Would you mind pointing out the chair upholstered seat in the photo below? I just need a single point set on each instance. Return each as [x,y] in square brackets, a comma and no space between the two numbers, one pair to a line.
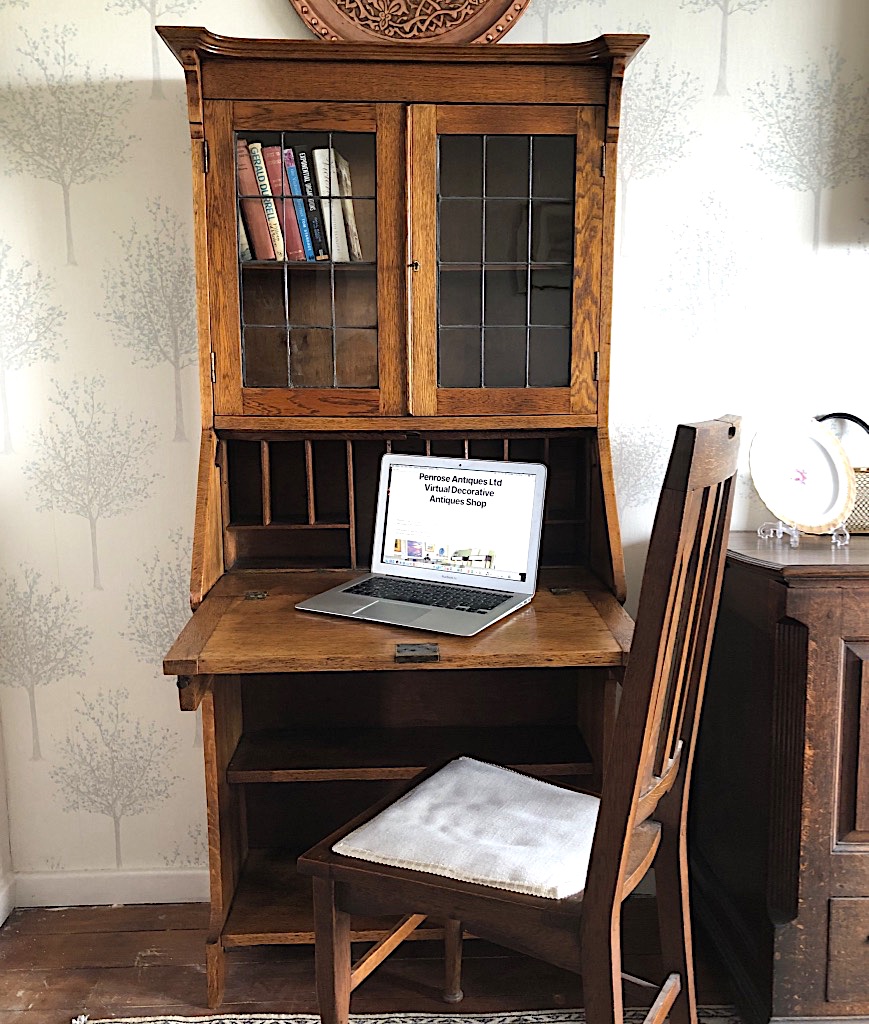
[478,822]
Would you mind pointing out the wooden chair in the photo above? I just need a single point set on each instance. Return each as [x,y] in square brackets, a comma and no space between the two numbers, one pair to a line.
[641,817]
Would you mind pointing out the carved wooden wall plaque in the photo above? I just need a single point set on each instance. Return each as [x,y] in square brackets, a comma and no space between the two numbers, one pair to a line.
[441,21]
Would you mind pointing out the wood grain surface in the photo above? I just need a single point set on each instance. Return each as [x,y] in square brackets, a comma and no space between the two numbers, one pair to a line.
[232,634]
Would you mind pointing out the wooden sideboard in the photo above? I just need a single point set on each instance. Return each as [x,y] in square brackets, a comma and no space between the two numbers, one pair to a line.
[780,819]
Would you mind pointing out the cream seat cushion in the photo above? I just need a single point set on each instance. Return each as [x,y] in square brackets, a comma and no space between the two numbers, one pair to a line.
[477,822]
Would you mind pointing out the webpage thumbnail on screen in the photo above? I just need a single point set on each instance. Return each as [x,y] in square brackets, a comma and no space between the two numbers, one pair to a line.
[462,521]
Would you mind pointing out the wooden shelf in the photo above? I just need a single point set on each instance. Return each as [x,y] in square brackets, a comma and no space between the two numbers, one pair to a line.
[280,563]
[273,906]
[318,755]
[277,525]
[308,264]
[493,265]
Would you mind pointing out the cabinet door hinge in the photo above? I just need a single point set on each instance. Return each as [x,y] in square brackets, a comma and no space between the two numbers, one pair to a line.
[596,366]
[603,160]
[205,156]
[213,368]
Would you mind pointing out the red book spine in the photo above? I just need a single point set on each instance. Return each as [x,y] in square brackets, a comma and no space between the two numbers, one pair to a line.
[252,209]
[274,161]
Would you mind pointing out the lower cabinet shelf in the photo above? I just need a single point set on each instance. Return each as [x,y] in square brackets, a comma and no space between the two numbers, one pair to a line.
[273,906]
[357,754]
[349,769]
[293,756]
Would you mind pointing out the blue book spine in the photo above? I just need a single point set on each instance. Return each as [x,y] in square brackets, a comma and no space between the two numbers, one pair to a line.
[309,191]
[298,203]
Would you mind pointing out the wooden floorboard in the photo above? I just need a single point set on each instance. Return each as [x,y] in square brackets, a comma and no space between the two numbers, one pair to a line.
[147,960]
[139,917]
[102,950]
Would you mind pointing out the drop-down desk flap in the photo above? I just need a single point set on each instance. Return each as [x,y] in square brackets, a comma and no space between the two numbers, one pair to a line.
[248,624]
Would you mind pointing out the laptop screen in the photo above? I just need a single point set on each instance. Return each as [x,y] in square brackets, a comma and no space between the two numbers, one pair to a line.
[462,520]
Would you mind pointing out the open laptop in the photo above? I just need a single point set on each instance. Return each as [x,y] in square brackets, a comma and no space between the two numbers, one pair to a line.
[456,543]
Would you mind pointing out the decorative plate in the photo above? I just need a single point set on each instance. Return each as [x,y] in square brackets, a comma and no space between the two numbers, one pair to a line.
[441,21]
[803,476]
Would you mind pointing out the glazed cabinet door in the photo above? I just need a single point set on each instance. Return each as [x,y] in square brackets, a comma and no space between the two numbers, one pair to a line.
[506,214]
[306,290]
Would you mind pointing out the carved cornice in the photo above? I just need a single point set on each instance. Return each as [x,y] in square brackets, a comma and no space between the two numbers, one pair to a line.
[604,49]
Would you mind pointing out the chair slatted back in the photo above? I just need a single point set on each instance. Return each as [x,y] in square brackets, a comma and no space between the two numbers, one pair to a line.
[663,687]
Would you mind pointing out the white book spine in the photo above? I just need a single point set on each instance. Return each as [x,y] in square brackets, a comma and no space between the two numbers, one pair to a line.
[326,172]
[346,187]
[244,250]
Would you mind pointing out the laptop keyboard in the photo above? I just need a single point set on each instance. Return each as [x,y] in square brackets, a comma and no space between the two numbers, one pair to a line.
[462,599]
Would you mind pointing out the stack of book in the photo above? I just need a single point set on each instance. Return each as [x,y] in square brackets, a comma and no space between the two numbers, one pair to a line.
[296,204]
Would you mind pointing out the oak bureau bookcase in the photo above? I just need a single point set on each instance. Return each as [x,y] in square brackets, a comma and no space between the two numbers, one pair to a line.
[472,319]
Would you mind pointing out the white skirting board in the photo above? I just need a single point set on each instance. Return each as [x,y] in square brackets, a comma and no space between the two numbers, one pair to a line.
[91,888]
[7,896]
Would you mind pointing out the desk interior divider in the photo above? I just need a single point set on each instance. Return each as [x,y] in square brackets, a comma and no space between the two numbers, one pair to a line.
[308,501]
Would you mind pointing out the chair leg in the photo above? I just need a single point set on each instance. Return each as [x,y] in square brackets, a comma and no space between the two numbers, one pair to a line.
[674,922]
[331,954]
[453,961]
[602,977]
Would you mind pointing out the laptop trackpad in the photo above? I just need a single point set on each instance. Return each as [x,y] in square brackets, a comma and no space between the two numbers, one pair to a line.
[342,604]
[400,615]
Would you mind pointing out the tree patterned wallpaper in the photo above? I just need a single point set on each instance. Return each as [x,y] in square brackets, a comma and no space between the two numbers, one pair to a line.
[743,222]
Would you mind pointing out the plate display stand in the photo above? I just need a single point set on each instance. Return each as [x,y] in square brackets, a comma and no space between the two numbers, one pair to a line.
[766,531]
[800,468]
